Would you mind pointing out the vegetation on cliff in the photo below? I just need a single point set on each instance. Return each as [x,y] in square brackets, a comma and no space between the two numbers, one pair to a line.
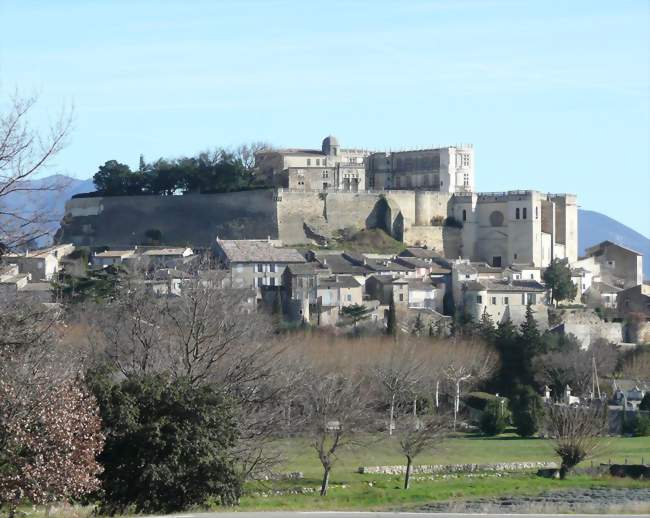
[221,170]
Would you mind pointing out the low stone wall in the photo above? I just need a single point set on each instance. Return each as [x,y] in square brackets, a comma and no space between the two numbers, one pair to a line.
[458,468]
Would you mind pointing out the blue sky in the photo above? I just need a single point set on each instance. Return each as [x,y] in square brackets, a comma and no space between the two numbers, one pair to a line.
[554,95]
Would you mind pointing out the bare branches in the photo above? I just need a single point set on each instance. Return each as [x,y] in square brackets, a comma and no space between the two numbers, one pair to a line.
[417,434]
[24,154]
[577,433]
[336,410]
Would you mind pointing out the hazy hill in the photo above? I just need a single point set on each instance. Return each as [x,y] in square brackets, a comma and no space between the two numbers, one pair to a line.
[593,227]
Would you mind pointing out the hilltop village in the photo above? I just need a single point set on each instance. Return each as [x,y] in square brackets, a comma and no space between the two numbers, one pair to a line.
[434,248]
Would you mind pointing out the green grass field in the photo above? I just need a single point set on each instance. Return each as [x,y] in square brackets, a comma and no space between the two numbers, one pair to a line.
[351,490]
[462,450]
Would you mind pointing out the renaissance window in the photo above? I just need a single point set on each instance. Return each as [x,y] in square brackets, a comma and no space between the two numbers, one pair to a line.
[465,160]
[479,299]
[517,213]
[506,301]
[464,215]
[318,161]
[494,301]
[309,161]
[524,213]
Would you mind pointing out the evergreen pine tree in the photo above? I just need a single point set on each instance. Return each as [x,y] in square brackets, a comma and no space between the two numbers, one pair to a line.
[506,342]
[486,328]
[530,345]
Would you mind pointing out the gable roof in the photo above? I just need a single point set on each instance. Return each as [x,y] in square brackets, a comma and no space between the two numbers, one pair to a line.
[603,244]
[257,251]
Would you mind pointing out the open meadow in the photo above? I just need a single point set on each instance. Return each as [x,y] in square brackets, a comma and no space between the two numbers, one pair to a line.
[352,490]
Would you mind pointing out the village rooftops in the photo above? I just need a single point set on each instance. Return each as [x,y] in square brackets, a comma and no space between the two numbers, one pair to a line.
[338,281]
[517,267]
[311,268]
[388,279]
[420,285]
[500,286]
[598,249]
[486,268]
[423,253]
[115,253]
[162,252]
[415,262]
[516,286]
[257,251]
[602,287]
[44,252]
[339,264]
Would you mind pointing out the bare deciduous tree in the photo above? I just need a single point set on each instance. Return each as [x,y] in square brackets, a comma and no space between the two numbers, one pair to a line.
[575,367]
[396,370]
[577,433]
[24,155]
[466,363]
[417,434]
[336,410]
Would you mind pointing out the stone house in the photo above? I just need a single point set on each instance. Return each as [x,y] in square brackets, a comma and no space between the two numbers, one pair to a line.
[385,289]
[635,300]
[602,294]
[40,265]
[333,294]
[424,269]
[613,264]
[111,257]
[505,299]
[426,294]
[255,263]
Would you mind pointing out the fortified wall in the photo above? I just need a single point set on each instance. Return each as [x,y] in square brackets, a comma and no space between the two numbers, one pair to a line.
[525,227]
[294,217]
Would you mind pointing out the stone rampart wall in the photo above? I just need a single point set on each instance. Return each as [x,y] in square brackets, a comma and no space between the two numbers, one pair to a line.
[193,219]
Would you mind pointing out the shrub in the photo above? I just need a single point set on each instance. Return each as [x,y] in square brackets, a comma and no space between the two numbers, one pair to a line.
[495,418]
[479,400]
[527,411]
[167,444]
[642,426]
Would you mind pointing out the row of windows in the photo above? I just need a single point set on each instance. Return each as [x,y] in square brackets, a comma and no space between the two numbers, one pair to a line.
[266,268]
[526,298]
[524,213]
[318,161]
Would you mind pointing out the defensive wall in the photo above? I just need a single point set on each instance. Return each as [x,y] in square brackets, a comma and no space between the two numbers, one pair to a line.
[295,217]
[491,223]
[191,219]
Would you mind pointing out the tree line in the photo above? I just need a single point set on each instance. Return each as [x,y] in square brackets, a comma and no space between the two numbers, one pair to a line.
[221,170]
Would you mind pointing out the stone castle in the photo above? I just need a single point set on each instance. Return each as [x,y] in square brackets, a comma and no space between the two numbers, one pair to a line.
[421,197]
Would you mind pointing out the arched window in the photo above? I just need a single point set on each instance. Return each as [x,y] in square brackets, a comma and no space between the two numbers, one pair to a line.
[524,216]
[464,215]
[517,213]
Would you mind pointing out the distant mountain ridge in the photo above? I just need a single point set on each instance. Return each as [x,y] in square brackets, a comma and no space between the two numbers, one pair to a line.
[593,227]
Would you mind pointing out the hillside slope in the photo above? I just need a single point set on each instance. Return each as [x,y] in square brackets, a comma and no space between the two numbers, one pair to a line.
[594,227]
